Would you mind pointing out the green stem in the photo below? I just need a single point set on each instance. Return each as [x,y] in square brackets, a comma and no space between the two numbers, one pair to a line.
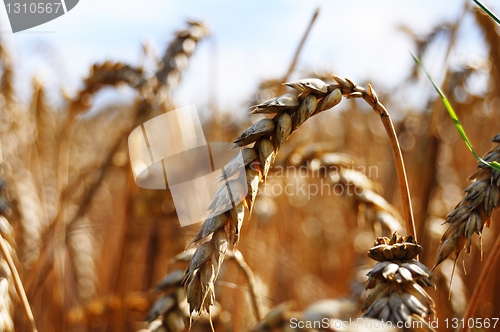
[451,112]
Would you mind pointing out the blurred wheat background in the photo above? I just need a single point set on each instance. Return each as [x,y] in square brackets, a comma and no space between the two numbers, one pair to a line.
[90,246]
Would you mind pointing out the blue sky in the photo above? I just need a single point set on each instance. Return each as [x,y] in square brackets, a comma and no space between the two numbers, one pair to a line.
[254,40]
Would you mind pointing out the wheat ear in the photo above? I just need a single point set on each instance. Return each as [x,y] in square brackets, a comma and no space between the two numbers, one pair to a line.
[474,210]
[268,135]
[169,309]
[397,281]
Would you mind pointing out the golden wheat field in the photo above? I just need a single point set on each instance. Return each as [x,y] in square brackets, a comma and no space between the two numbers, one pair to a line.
[352,205]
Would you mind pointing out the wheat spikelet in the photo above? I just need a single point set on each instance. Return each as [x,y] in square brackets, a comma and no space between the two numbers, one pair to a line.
[225,228]
[397,281]
[170,310]
[474,211]
[10,282]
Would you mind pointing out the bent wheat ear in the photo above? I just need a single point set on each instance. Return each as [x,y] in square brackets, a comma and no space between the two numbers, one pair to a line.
[291,111]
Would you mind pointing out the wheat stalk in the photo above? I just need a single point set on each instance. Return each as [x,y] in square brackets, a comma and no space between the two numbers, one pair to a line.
[268,135]
[474,211]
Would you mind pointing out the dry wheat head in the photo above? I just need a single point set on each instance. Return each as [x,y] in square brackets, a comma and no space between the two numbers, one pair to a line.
[289,112]
[474,210]
[397,281]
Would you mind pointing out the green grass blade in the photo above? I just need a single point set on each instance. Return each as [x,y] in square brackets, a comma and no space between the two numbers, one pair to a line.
[487,11]
[494,164]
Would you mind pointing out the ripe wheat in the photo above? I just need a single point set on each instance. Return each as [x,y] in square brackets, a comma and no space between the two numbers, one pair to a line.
[290,112]
[397,281]
[474,210]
